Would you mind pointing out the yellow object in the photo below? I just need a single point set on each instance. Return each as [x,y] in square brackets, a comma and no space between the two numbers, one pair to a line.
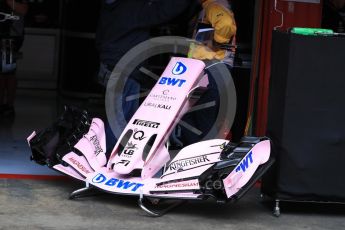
[202,52]
[222,20]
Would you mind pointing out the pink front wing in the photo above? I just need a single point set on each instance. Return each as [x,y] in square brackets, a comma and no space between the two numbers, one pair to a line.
[240,176]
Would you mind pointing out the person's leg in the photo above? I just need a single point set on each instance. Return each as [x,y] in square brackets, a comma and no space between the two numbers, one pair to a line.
[130,102]
[11,89]
[201,121]
[2,90]
[126,102]
[8,90]
[129,105]
[110,139]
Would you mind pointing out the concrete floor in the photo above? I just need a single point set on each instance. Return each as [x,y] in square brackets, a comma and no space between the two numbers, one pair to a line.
[28,204]
[37,204]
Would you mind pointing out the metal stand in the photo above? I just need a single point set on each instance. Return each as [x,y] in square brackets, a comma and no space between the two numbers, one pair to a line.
[156,213]
[84,192]
[276,210]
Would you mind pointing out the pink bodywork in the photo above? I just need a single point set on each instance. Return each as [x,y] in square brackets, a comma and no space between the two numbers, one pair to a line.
[92,145]
[204,153]
[152,120]
[240,176]
[158,115]
[93,148]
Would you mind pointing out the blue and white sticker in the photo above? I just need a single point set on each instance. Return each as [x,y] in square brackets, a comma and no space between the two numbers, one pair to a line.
[118,183]
[179,69]
[245,163]
[172,81]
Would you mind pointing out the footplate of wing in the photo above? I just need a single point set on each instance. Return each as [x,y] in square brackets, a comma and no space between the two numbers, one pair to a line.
[245,169]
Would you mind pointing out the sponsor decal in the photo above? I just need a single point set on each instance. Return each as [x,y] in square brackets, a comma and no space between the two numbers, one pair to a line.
[139,135]
[128,152]
[124,162]
[130,149]
[149,124]
[180,164]
[179,69]
[245,163]
[131,145]
[95,142]
[164,97]
[157,106]
[114,182]
[171,81]
[177,185]
[79,165]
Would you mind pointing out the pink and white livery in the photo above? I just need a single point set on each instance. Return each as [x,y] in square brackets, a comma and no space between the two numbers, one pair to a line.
[140,163]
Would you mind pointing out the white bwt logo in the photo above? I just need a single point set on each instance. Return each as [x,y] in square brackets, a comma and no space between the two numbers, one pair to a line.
[179,69]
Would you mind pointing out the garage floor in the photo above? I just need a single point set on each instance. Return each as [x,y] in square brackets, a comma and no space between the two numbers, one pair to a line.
[28,204]
[43,204]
